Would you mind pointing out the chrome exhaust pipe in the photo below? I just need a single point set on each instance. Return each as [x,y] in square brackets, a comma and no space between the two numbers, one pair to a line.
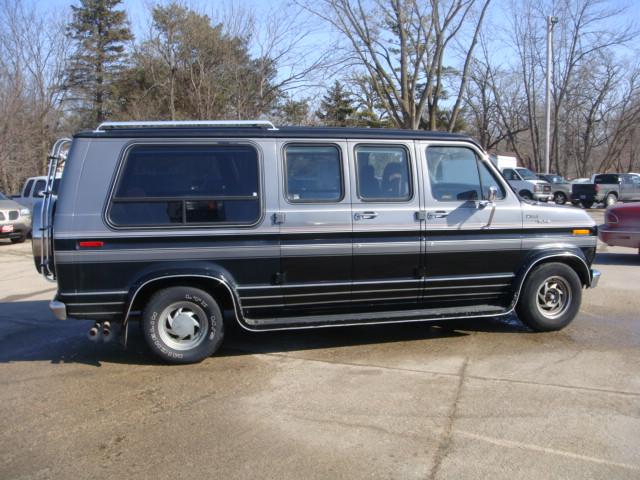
[94,333]
[107,332]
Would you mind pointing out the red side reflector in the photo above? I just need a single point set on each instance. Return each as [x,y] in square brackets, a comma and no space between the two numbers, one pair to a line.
[91,244]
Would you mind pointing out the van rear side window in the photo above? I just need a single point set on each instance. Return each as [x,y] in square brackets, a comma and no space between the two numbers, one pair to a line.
[187,184]
[314,173]
[383,173]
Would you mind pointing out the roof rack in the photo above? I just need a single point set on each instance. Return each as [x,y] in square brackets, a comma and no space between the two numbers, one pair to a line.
[186,123]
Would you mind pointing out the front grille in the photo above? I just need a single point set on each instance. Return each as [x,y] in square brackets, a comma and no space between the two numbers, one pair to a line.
[9,215]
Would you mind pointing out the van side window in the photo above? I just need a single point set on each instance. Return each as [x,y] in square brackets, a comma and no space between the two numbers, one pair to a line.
[457,174]
[187,184]
[27,188]
[314,173]
[383,173]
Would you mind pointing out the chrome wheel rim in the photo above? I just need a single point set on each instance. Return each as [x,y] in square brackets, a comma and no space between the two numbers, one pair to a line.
[183,325]
[611,200]
[554,297]
[560,199]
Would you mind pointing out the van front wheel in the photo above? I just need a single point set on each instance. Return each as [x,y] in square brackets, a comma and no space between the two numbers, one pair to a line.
[183,325]
[550,298]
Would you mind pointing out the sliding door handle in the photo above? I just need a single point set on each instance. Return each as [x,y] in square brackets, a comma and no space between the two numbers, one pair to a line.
[365,215]
[437,214]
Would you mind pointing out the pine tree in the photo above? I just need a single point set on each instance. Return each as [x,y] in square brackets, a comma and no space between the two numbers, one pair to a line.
[99,31]
[336,108]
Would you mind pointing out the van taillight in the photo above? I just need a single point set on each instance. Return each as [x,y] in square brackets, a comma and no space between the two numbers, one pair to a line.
[90,244]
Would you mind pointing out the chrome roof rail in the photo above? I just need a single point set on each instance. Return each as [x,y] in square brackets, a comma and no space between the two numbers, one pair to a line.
[185,123]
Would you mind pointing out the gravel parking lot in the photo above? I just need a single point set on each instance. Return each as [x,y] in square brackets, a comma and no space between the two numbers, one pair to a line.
[482,399]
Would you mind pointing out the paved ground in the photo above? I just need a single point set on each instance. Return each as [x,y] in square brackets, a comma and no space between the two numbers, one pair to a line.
[476,400]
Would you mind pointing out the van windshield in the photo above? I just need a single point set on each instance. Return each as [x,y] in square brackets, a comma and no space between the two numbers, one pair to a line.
[527,174]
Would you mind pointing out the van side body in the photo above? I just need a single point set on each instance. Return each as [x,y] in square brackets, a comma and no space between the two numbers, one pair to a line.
[331,227]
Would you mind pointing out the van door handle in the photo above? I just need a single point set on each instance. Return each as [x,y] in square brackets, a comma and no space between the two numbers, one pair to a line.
[365,215]
[437,214]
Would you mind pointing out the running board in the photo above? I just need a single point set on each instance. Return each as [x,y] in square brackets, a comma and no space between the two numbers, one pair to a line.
[337,320]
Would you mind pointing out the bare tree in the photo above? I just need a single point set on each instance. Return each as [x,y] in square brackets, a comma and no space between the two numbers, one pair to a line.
[584,43]
[401,44]
[33,57]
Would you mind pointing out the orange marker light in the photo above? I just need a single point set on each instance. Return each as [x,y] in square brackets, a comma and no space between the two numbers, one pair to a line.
[581,231]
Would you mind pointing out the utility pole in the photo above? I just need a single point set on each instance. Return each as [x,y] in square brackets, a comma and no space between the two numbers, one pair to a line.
[551,21]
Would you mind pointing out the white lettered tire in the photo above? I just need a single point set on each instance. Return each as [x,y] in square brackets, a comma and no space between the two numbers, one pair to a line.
[182,325]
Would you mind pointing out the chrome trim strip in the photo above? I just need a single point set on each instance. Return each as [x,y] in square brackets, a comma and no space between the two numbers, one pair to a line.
[348,292]
[372,300]
[595,278]
[389,290]
[473,277]
[327,284]
[474,294]
[95,303]
[88,314]
[468,286]
[379,282]
[119,292]
[414,297]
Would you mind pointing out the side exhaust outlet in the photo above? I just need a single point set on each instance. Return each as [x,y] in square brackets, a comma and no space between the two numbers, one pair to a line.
[107,332]
[94,333]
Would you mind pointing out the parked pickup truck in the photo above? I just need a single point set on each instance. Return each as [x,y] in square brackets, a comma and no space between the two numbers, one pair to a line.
[32,191]
[607,188]
[560,188]
[527,184]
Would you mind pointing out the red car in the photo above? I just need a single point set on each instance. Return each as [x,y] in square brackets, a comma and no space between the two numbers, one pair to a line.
[622,227]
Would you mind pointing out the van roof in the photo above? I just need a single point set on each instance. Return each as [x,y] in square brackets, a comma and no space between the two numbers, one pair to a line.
[281,132]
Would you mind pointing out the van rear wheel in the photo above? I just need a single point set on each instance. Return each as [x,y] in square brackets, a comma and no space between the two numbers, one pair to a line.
[182,325]
[550,298]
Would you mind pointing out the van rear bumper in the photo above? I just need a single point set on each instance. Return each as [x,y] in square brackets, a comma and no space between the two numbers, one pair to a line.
[59,309]
[595,278]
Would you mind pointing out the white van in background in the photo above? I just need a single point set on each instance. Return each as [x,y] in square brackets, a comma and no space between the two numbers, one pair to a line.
[524,181]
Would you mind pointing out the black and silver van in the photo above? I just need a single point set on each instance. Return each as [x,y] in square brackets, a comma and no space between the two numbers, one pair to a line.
[176,223]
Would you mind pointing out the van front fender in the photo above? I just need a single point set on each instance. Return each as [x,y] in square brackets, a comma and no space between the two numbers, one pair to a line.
[567,254]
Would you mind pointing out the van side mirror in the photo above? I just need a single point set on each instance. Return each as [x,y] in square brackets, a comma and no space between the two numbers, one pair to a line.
[493,194]
[40,194]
